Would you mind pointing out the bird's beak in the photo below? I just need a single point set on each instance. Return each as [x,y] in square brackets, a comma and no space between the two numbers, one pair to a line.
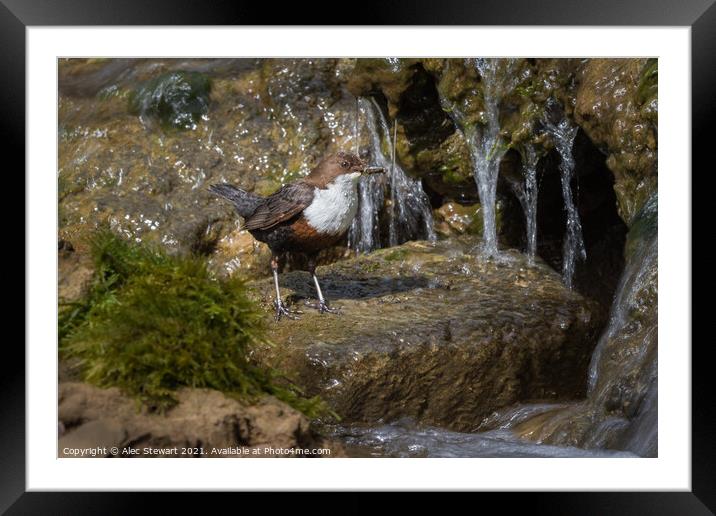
[372,170]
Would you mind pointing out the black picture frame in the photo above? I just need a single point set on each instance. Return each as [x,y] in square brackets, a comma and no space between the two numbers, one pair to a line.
[16,15]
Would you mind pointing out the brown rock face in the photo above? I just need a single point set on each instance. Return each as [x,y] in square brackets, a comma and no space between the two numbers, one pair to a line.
[74,273]
[432,333]
[203,418]
[617,109]
[268,122]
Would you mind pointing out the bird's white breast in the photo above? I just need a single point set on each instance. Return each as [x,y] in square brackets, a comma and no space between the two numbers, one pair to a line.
[334,207]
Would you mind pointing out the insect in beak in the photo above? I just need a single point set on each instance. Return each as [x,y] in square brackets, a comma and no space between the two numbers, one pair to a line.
[372,170]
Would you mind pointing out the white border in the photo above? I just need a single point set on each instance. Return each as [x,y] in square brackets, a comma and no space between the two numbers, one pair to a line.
[670,471]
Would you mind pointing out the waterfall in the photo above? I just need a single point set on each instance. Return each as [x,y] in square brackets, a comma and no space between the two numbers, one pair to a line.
[410,214]
[564,134]
[530,204]
[628,347]
[620,411]
[499,78]
[364,234]
[527,193]
[635,278]
[627,350]
[356,118]
[392,229]
[486,148]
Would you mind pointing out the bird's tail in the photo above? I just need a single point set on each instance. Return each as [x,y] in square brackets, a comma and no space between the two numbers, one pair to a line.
[244,202]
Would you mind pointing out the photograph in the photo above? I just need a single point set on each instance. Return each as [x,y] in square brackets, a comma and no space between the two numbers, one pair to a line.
[357,257]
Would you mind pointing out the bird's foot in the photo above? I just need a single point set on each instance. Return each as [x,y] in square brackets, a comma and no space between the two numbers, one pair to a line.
[323,308]
[282,310]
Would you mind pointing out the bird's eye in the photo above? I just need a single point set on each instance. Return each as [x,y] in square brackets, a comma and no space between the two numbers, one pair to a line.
[345,164]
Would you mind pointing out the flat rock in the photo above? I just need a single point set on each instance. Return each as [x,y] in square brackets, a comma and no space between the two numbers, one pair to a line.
[434,333]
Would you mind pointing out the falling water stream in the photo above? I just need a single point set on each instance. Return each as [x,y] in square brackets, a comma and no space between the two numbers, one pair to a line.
[627,350]
[564,133]
[527,193]
[484,142]
[409,214]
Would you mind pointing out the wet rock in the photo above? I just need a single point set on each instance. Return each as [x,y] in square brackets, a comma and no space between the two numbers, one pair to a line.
[616,104]
[177,99]
[391,77]
[434,333]
[238,251]
[268,122]
[102,433]
[454,219]
[620,411]
[202,418]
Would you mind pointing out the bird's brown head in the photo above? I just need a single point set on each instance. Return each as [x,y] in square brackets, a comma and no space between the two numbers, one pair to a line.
[338,164]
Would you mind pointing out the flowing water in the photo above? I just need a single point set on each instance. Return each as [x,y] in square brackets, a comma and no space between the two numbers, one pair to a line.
[484,141]
[564,133]
[626,354]
[530,205]
[617,419]
[409,215]
[527,193]
[405,439]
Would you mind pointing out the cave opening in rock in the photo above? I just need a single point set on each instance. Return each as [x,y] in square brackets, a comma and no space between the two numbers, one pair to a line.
[603,230]
[420,114]
[425,123]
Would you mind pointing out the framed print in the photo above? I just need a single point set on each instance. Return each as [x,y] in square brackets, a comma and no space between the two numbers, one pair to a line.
[431,256]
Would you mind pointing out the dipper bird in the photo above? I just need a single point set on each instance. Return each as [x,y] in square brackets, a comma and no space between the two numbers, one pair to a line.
[303,217]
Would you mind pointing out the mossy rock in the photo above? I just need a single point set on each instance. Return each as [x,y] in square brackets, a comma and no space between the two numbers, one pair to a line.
[615,103]
[177,99]
[644,227]
[151,323]
[649,82]
[389,76]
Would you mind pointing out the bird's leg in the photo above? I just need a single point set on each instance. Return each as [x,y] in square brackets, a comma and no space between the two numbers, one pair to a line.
[278,304]
[322,305]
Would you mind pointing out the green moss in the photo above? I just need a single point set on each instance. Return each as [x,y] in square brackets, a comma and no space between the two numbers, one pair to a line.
[452,176]
[649,81]
[176,99]
[526,90]
[152,323]
[396,255]
[450,159]
[499,148]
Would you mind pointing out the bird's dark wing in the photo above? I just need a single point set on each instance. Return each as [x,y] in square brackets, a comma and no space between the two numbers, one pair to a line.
[287,202]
